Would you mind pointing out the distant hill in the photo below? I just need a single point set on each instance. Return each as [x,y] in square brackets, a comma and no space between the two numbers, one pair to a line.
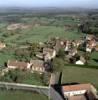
[45,10]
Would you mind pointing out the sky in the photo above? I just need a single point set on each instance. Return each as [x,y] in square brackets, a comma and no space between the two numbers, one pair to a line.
[50,3]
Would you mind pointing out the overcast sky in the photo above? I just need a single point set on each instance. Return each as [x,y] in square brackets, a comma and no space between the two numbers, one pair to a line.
[50,3]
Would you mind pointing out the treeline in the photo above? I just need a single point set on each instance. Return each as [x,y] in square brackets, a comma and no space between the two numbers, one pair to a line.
[89,25]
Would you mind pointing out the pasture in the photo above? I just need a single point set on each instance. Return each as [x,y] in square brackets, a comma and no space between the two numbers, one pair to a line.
[80,75]
[20,95]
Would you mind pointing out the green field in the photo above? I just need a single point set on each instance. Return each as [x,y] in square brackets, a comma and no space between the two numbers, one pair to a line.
[94,59]
[80,75]
[19,95]
[41,33]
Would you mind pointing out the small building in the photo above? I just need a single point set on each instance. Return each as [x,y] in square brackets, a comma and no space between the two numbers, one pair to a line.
[40,55]
[89,48]
[68,46]
[91,44]
[96,48]
[73,52]
[37,66]
[78,43]
[60,43]
[14,64]
[49,53]
[2,45]
[80,92]
[80,61]
[90,37]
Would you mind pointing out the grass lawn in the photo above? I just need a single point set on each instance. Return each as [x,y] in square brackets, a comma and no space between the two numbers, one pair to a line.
[19,95]
[80,75]
[25,77]
[42,33]
[94,58]
[4,57]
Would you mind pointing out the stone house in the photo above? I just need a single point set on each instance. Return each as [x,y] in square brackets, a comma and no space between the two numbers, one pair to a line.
[96,48]
[80,92]
[91,44]
[49,53]
[2,45]
[60,43]
[68,46]
[14,64]
[90,37]
[37,66]
[80,61]
[73,52]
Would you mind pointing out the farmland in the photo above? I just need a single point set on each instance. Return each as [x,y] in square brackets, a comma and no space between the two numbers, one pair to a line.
[80,75]
[39,31]
[20,95]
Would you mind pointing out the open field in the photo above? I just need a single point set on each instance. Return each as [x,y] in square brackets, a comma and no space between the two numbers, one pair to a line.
[19,95]
[42,28]
[80,75]
[41,33]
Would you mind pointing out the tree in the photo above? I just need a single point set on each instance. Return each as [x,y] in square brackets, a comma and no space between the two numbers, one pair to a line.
[58,64]
[87,57]
[84,27]
[12,76]
[61,54]
[34,47]
[45,78]
[22,55]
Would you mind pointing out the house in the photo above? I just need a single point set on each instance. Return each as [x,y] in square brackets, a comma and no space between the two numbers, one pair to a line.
[80,61]
[60,43]
[90,37]
[49,53]
[14,64]
[40,55]
[91,44]
[96,48]
[2,45]
[73,52]
[79,92]
[89,48]
[37,66]
[77,43]
[67,46]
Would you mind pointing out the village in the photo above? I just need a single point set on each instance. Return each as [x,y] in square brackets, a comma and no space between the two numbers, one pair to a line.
[49,56]
[75,52]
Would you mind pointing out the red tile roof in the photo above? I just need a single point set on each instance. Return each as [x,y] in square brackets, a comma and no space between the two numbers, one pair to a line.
[76,87]
[18,64]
